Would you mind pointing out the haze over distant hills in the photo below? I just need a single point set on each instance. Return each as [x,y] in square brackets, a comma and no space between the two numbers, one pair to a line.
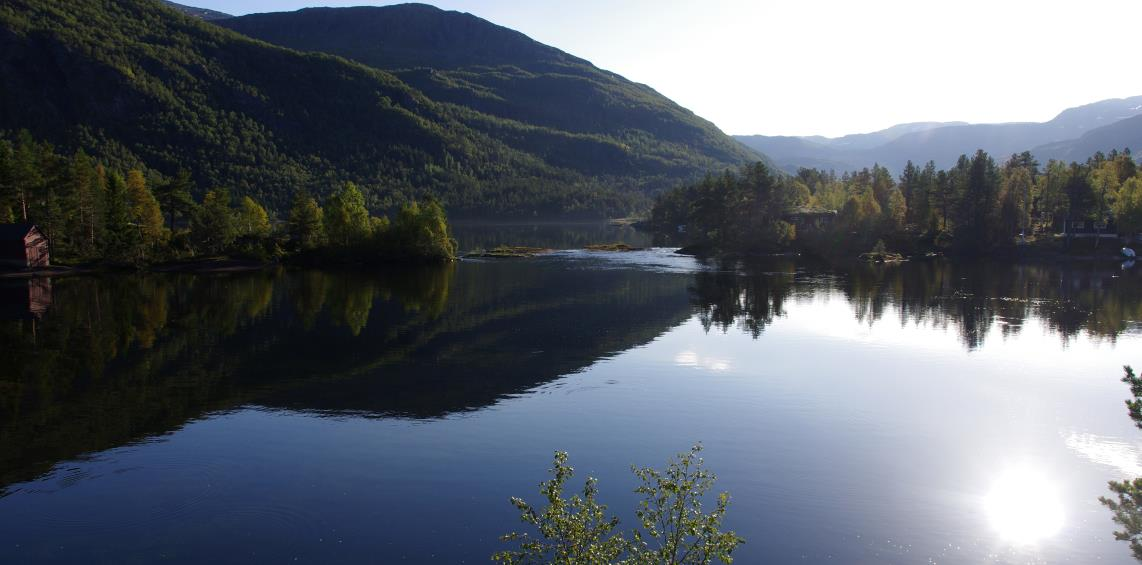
[1075,134]
[480,116]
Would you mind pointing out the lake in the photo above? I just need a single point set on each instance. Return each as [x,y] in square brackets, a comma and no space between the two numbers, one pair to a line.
[931,412]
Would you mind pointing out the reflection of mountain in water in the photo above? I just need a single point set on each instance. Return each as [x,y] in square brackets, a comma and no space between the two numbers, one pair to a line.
[117,359]
[972,298]
[121,358]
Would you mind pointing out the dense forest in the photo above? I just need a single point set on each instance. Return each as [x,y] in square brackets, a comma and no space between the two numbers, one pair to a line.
[137,83]
[461,59]
[92,213]
[978,206]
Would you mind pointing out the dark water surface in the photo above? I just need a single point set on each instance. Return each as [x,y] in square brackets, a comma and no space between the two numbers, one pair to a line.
[928,413]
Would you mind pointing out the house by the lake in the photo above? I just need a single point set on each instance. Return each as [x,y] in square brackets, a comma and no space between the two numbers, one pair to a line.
[1091,228]
[806,218]
[23,246]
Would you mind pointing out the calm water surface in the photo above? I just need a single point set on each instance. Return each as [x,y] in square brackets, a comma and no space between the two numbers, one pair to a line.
[928,413]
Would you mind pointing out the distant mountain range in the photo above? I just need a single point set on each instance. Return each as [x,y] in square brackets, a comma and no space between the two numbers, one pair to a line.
[432,102]
[1075,134]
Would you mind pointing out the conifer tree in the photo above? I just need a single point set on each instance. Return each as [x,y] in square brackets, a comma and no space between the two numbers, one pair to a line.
[212,227]
[121,237]
[175,198]
[306,226]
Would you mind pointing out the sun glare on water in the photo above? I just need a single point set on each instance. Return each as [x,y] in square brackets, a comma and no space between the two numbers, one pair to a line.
[1023,507]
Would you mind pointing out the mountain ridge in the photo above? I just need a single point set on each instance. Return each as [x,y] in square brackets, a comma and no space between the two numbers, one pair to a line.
[462,59]
[138,82]
[200,13]
[945,143]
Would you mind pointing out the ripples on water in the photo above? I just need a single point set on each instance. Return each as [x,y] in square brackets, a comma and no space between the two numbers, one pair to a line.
[955,413]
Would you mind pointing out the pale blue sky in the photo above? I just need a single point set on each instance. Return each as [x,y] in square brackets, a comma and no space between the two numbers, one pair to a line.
[831,67]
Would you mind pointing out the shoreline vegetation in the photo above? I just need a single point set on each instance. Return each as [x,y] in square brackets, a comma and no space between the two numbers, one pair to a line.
[977,208]
[100,219]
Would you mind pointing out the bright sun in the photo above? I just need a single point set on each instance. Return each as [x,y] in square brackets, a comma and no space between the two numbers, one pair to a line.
[1024,507]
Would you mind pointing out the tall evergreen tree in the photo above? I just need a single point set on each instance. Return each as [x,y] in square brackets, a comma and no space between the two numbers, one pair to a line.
[212,228]
[306,225]
[26,172]
[977,216]
[8,192]
[121,236]
[175,199]
[87,200]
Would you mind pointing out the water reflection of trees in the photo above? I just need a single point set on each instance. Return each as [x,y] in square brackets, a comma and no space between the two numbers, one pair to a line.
[724,298]
[974,299]
[122,358]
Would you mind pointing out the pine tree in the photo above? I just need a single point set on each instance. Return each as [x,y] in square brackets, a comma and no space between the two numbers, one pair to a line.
[174,198]
[977,216]
[212,228]
[121,237]
[26,176]
[86,196]
[8,194]
[306,228]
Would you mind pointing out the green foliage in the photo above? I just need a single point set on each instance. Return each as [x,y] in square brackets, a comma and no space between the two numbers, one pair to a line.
[420,232]
[977,216]
[174,196]
[306,223]
[175,93]
[673,528]
[121,237]
[741,211]
[1128,206]
[1127,502]
[974,207]
[145,214]
[346,217]
[573,531]
[253,221]
[212,228]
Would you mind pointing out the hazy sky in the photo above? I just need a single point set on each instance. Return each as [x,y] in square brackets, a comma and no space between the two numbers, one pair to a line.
[831,67]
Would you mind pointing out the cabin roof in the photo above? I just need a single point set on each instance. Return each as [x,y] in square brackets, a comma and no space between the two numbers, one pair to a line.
[15,232]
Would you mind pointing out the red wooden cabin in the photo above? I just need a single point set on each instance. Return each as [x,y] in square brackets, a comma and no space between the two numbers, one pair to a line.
[23,246]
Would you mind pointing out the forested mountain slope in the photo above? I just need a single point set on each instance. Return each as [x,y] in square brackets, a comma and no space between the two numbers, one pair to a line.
[139,82]
[462,59]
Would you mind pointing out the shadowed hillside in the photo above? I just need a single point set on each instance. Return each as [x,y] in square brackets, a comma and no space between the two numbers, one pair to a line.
[137,82]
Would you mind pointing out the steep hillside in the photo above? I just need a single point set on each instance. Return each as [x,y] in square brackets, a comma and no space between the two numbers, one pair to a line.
[1124,134]
[461,59]
[943,143]
[201,13]
[136,81]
